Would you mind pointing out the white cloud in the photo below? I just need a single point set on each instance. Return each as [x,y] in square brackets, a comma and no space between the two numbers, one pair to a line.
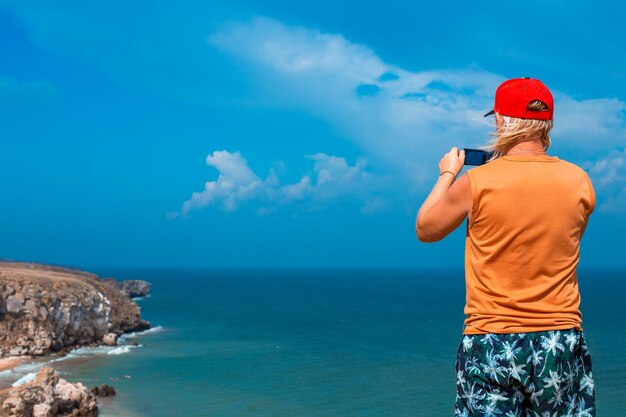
[331,181]
[236,183]
[608,176]
[402,122]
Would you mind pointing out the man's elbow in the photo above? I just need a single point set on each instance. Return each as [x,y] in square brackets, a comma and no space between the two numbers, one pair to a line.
[422,233]
[425,237]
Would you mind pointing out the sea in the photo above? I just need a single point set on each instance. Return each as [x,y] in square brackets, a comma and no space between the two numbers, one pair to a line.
[312,343]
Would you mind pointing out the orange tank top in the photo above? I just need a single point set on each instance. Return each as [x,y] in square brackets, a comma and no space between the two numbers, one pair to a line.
[522,244]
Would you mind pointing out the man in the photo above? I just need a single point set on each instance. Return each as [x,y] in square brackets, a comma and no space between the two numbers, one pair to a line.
[523,352]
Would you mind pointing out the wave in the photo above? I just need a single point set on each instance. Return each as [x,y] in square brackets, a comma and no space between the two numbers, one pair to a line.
[132,335]
[26,378]
[82,352]
[28,367]
[122,349]
[21,373]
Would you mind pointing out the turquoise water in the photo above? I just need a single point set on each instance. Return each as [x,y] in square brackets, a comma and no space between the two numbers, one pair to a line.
[318,343]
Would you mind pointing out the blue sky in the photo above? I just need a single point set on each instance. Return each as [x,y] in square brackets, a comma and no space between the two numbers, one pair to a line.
[282,134]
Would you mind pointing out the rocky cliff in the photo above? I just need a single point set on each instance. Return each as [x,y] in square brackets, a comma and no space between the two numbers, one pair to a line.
[46,309]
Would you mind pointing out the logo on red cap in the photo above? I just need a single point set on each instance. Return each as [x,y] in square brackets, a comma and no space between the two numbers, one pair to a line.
[513,97]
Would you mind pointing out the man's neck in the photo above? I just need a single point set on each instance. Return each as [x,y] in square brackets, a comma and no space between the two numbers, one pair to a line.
[530,147]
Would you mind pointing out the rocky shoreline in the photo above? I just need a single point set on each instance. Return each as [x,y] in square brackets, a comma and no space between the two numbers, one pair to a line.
[47,310]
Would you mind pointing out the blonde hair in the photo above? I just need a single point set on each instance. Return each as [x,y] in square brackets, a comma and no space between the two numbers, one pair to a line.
[513,130]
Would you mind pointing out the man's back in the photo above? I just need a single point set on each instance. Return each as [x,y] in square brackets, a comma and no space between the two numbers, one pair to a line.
[522,244]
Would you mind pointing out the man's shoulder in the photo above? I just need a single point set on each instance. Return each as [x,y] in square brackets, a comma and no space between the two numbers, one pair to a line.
[574,168]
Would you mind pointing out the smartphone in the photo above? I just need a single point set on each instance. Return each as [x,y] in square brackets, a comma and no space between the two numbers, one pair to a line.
[476,156]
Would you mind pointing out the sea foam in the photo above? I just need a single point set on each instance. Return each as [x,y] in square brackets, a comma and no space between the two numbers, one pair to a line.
[26,378]
[122,349]
[132,335]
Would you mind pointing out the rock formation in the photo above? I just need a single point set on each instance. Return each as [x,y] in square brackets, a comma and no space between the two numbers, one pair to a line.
[48,395]
[46,309]
[103,390]
[131,287]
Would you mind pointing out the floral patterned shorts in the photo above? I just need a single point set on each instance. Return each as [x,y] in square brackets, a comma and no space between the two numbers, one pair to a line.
[534,374]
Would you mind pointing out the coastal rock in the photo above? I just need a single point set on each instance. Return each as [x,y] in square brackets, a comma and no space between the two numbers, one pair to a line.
[49,395]
[46,309]
[110,339]
[131,287]
[103,390]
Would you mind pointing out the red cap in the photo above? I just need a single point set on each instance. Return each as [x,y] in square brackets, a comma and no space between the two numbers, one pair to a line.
[513,96]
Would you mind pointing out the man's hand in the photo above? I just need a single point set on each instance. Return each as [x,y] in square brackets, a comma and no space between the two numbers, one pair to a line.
[452,161]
